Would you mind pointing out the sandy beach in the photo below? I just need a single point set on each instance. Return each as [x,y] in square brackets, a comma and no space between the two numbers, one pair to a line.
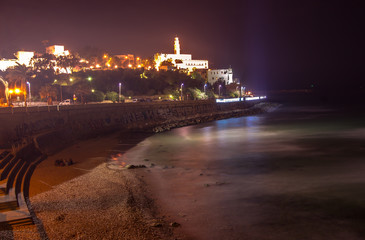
[89,200]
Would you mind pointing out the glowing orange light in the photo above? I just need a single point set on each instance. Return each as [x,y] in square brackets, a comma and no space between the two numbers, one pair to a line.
[17,91]
[105,56]
[137,58]
[97,65]
[91,67]
[11,91]
[130,65]
[108,64]
[126,57]
[116,66]
[139,65]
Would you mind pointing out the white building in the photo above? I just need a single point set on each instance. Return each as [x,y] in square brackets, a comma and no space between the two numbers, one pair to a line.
[180,61]
[57,50]
[23,58]
[7,63]
[225,75]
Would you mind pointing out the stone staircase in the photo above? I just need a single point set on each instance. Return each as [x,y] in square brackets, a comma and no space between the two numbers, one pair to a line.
[16,170]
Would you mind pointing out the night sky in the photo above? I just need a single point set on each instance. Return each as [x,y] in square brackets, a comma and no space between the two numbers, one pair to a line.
[269,44]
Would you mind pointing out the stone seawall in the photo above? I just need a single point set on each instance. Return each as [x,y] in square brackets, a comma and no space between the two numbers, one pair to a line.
[62,123]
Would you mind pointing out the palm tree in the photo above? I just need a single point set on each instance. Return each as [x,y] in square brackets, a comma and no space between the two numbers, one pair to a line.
[6,84]
[82,89]
[48,92]
[18,78]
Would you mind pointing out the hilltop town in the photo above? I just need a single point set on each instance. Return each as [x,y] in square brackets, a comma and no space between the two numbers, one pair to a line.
[94,76]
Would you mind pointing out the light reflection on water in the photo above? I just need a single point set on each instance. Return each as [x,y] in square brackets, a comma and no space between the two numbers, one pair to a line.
[275,176]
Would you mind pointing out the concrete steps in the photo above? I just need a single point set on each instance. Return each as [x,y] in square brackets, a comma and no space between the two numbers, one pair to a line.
[15,174]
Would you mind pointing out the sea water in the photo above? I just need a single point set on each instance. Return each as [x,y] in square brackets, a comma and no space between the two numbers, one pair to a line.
[296,173]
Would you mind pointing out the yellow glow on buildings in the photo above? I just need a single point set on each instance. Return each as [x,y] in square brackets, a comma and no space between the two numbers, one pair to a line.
[24,57]
[57,50]
[180,61]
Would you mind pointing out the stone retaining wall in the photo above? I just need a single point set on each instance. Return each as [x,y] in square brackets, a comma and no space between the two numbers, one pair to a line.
[79,121]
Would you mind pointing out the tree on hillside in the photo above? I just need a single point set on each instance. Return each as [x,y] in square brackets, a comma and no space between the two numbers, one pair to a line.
[6,89]
[68,62]
[96,96]
[82,89]
[46,61]
[112,96]
[222,84]
[167,63]
[62,81]
[148,62]
[18,77]
[48,93]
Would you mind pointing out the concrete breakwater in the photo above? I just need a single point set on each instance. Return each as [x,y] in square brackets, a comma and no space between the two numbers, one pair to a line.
[57,125]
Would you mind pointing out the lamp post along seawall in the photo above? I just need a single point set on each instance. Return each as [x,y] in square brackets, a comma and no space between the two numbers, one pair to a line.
[30,95]
[120,92]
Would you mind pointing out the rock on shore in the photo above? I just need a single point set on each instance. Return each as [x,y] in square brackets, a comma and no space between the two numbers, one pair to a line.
[201,118]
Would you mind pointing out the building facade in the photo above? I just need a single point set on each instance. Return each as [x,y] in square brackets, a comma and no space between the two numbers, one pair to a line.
[180,61]
[57,50]
[225,75]
[22,58]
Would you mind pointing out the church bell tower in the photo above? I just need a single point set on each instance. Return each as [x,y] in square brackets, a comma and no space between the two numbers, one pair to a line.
[177,46]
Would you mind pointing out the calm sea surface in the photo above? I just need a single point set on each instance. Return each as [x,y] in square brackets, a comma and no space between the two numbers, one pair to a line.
[295,173]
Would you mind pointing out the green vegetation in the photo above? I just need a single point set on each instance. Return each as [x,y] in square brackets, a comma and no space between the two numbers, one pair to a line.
[51,84]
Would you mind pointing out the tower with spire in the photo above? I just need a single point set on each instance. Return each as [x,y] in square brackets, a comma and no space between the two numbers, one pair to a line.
[179,61]
[177,46]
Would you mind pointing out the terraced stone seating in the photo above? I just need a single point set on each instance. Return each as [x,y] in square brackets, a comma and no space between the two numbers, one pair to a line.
[15,173]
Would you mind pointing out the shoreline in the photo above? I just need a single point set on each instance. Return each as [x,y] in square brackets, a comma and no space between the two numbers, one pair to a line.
[66,197]
[69,200]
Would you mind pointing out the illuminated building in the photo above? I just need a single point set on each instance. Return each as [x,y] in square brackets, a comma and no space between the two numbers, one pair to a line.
[57,50]
[225,75]
[7,63]
[127,60]
[180,61]
[23,58]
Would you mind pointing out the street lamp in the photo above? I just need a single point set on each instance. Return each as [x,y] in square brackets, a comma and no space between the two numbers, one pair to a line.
[181,88]
[219,90]
[30,95]
[120,90]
